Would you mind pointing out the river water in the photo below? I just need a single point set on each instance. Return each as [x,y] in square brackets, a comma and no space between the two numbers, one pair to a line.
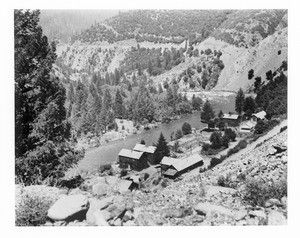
[109,152]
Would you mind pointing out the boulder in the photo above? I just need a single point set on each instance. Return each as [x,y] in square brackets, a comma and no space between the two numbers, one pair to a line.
[207,208]
[69,208]
[100,218]
[97,205]
[258,213]
[273,202]
[100,189]
[240,215]
[145,219]
[276,218]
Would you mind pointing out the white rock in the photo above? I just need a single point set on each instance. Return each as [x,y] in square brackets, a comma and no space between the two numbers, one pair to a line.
[100,219]
[68,206]
[207,208]
[276,218]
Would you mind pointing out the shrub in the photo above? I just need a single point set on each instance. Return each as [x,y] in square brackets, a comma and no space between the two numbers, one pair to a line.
[230,133]
[242,144]
[164,183]
[176,147]
[214,161]
[216,140]
[178,134]
[258,191]
[49,161]
[205,147]
[146,175]
[32,211]
[186,128]
[221,181]
[104,167]
[283,129]
[123,173]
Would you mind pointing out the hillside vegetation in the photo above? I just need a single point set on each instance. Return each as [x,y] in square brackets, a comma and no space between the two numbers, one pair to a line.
[164,45]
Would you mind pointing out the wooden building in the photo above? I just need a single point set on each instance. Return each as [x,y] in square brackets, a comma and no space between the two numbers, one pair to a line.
[231,119]
[149,151]
[181,166]
[134,160]
[259,116]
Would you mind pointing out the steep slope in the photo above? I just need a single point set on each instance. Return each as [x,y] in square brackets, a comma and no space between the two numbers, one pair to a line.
[266,55]
[246,39]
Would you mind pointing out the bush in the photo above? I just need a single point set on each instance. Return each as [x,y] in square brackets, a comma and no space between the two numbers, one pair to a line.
[104,167]
[216,140]
[205,147]
[178,134]
[186,128]
[32,211]
[47,162]
[123,173]
[242,144]
[230,133]
[146,175]
[283,129]
[258,191]
[164,183]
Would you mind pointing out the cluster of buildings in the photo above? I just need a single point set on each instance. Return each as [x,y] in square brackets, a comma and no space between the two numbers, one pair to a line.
[141,157]
[234,120]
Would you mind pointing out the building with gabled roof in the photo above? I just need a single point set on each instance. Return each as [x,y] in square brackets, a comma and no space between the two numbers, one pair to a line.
[173,168]
[231,119]
[259,115]
[131,159]
[148,150]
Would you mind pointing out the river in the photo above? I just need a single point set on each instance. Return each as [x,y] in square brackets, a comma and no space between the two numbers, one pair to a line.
[109,152]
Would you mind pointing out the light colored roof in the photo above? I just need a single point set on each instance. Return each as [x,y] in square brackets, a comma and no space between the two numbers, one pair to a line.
[230,116]
[124,185]
[247,125]
[260,115]
[131,154]
[182,164]
[170,172]
[168,160]
[143,148]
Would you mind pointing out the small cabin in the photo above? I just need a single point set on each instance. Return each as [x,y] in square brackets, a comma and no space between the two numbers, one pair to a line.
[134,160]
[231,119]
[259,116]
[247,127]
[149,152]
[181,166]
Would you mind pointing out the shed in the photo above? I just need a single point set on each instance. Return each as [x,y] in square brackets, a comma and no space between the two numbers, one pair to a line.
[148,150]
[259,115]
[135,160]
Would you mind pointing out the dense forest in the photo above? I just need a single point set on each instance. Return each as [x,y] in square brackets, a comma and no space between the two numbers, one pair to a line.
[42,131]
[92,106]
[156,26]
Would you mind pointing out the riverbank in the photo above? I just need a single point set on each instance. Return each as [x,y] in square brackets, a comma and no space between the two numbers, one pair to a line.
[124,129]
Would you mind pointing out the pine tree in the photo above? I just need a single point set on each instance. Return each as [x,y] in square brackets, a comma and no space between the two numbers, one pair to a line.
[107,100]
[249,105]
[42,130]
[239,101]
[118,107]
[207,113]
[162,149]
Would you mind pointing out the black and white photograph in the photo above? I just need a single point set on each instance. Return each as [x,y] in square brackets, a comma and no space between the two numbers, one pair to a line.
[150,117]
